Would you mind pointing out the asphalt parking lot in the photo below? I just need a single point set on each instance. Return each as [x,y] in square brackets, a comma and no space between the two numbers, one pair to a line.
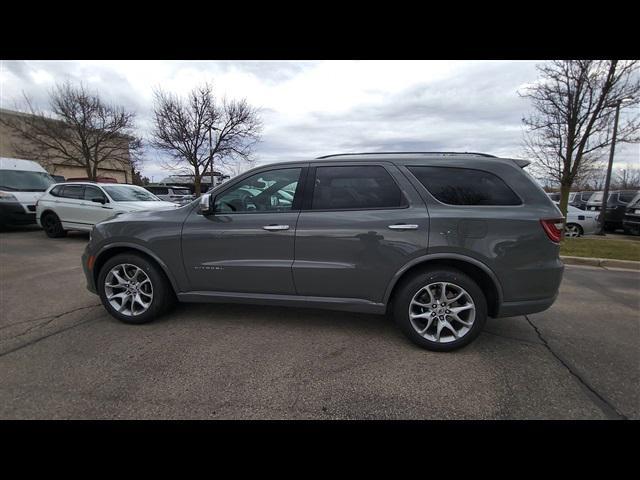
[62,356]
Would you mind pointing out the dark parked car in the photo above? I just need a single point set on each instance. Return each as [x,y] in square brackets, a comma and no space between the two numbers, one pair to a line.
[440,241]
[616,206]
[631,220]
[580,200]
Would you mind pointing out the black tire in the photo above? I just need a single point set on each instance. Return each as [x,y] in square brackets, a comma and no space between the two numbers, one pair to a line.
[411,286]
[163,294]
[52,226]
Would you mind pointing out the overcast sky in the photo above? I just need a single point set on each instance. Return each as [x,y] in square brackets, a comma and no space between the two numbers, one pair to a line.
[314,108]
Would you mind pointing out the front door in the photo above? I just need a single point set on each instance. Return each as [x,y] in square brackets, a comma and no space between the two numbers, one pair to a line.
[96,206]
[247,245]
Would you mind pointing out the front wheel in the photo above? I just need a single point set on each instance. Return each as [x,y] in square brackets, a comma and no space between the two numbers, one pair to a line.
[134,289]
[52,225]
[441,309]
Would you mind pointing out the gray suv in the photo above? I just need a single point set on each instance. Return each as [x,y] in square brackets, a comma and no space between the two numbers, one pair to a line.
[438,240]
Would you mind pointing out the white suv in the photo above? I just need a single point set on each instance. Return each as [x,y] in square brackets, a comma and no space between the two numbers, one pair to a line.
[80,205]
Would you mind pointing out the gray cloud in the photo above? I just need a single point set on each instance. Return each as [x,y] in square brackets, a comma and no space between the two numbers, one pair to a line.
[474,108]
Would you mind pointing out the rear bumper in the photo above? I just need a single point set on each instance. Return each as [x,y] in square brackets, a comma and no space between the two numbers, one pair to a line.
[512,309]
[13,213]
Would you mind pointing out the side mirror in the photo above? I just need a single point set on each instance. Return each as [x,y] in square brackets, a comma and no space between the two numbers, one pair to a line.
[206,204]
[99,200]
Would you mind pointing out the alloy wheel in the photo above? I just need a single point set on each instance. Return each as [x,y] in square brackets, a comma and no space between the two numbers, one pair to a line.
[442,312]
[128,289]
[571,231]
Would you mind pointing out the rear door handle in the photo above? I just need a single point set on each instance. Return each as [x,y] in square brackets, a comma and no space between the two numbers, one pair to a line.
[403,226]
[276,227]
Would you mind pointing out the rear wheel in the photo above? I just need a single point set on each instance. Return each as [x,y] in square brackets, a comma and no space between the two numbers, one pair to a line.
[134,289]
[52,225]
[441,309]
[573,230]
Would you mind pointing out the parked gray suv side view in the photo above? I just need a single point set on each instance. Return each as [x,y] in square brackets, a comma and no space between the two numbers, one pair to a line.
[438,240]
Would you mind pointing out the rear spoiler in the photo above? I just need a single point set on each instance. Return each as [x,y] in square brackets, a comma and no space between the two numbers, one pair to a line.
[521,163]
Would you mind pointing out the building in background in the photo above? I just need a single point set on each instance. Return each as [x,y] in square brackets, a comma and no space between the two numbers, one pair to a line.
[121,171]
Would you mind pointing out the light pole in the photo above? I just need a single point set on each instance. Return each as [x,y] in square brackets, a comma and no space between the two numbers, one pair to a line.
[605,195]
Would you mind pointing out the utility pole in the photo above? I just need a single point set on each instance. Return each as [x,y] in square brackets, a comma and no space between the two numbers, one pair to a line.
[605,196]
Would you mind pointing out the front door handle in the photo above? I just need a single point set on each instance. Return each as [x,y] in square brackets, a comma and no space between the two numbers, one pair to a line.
[276,227]
[403,226]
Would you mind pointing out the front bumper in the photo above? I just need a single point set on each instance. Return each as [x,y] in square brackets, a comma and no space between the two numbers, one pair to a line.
[87,268]
[13,213]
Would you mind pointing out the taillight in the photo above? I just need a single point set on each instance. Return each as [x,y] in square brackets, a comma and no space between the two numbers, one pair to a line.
[553,228]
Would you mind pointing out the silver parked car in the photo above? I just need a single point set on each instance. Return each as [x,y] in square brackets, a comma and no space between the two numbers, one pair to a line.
[440,241]
[580,222]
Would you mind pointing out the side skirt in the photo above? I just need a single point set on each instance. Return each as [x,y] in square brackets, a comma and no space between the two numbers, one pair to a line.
[329,303]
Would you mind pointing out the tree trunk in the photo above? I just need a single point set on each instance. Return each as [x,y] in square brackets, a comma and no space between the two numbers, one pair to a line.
[197,185]
[564,198]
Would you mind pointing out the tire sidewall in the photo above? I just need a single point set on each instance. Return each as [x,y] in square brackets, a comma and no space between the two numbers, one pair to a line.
[414,284]
[161,292]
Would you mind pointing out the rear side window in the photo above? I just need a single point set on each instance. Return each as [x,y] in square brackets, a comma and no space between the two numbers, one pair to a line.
[355,187]
[465,186]
[73,191]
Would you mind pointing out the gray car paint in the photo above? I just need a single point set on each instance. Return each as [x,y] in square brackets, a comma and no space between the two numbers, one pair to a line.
[348,259]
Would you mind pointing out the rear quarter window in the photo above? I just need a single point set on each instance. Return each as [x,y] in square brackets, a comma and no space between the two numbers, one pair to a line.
[465,186]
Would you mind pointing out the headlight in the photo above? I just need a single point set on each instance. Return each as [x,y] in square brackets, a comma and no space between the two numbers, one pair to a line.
[7,197]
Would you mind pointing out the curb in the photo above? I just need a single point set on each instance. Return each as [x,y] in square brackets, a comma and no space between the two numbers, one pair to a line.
[601,262]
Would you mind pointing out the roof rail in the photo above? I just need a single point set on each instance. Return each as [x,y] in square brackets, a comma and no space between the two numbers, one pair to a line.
[406,153]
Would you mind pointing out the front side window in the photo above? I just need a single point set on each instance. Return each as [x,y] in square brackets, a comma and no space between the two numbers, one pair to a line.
[270,191]
[355,187]
[129,193]
[94,194]
[73,191]
[465,186]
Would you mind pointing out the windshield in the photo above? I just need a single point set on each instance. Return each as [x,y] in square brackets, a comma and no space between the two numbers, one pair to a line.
[25,181]
[181,191]
[129,193]
[635,202]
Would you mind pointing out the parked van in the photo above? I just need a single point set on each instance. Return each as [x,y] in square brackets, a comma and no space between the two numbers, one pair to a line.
[22,182]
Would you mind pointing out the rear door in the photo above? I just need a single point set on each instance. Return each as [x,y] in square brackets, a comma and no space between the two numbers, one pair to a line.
[71,203]
[360,224]
[247,245]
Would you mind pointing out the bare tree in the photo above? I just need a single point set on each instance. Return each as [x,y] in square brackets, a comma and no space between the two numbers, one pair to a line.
[626,179]
[198,131]
[80,130]
[574,103]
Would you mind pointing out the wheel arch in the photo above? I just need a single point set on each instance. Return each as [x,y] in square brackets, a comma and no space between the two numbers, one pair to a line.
[478,271]
[112,250]
[580,227]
